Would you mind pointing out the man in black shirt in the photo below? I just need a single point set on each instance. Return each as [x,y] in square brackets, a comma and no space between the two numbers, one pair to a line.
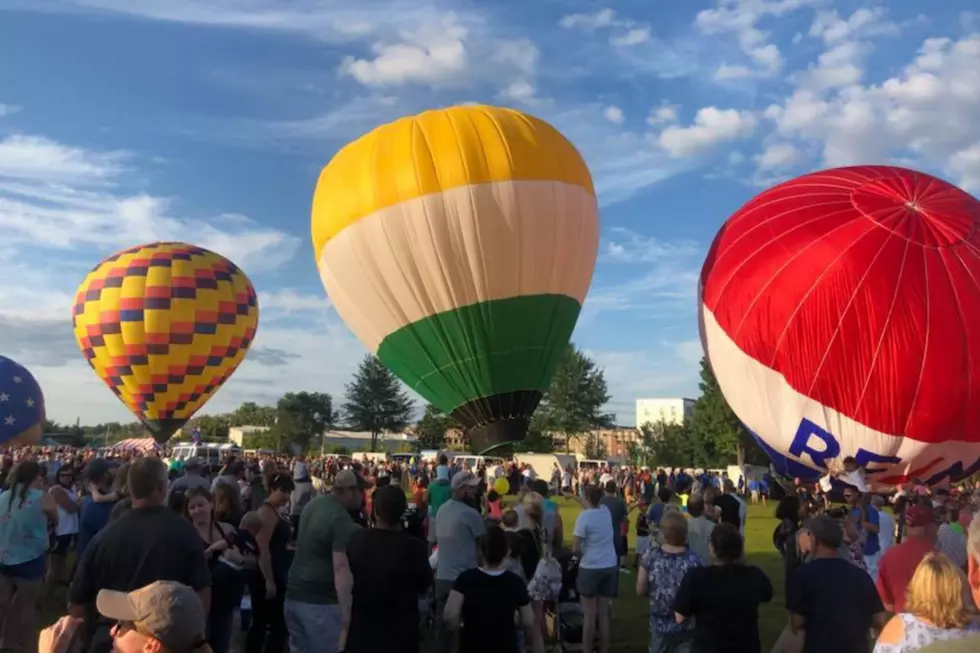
[146,544]
[835,602]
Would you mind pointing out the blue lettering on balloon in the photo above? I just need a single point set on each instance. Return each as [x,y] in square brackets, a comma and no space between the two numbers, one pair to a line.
[955,472]
[865,457]
[820,445]
[806,432]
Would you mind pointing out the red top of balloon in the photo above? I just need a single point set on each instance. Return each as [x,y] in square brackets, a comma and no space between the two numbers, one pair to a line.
[851,281]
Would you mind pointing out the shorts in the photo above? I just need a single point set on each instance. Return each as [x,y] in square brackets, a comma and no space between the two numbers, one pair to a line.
[61,544]
[603,583]
[642,544]
[755,495]
[621,545]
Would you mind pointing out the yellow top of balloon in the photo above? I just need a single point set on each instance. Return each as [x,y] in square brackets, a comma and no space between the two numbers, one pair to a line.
[435,151]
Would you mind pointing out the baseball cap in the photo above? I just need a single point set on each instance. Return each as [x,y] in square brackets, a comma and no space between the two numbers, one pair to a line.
[165,610]
[194,463]
[348,478]
[919,516]
[461,479]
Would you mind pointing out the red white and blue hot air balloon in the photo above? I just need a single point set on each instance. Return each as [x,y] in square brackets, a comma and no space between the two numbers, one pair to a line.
[21,406]
[840,312]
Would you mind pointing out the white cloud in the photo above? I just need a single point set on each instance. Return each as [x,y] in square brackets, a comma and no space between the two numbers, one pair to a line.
[634,36]
[626,32]
[711,128]
[35,158]
[926,114]
[434,55]
[741,18]
[663,115]
[778,156]
[8,109]
[614,115]
[627,246]
[59,197]
[863,23]
[446,53]
[589,22]
[724,72]
[289,301]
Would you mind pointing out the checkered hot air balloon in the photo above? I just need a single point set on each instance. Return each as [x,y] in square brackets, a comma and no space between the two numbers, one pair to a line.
[164,325]
[21,406]
[840,312]
[458,245]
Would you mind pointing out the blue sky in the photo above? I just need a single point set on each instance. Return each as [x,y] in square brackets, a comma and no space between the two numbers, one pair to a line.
[126,121]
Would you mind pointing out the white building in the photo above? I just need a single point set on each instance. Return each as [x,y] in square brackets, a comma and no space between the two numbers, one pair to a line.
[672,410]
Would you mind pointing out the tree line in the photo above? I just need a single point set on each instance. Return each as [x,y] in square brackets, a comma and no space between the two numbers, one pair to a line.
[572,408]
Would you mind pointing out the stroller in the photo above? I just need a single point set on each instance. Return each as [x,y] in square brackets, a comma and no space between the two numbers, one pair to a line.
[564,618]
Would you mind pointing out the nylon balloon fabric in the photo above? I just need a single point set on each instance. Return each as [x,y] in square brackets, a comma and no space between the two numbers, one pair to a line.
[840,312]
[165,325]
[459,245]
[21,406]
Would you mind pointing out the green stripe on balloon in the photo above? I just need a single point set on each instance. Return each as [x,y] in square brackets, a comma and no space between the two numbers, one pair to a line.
[483,349]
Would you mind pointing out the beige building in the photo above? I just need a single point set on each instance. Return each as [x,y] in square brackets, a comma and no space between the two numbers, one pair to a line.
[236,434]
[615,441]
[669,410]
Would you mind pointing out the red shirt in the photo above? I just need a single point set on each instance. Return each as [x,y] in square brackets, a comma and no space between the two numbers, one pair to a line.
[896,568]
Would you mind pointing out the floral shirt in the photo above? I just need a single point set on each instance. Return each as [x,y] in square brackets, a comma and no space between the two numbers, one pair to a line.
[665,572]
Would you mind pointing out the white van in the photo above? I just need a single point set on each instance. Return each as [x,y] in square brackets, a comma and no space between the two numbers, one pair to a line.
[472,461]
[211,454]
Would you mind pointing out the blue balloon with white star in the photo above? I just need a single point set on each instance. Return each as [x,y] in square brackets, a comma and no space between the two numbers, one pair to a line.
[21,406]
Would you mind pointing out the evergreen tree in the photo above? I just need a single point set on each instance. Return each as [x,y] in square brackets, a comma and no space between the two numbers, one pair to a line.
[572,405]
[375,400]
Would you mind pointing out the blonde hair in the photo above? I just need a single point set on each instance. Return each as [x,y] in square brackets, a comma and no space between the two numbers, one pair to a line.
[939,593]
[534,512]
[674,527]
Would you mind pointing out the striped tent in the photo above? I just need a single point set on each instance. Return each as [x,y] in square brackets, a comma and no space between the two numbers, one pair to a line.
[136,444]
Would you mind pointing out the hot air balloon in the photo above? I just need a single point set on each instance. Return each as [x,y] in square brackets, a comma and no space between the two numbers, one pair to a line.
[458,245]
[21,406]
[164,325]
[840,312]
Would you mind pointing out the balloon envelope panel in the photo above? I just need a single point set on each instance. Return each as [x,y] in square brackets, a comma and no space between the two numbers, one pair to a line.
[458,245]
[840,312]
[164,325]
[21,405]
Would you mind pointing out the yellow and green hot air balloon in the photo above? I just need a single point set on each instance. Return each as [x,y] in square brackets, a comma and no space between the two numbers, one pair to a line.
[458,245]
[164,325]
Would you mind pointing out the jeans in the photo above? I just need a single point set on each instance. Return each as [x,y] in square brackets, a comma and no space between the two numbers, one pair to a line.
[313,627]
[871,562]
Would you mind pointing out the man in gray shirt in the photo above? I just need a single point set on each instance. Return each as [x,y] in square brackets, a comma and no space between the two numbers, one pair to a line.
[193,477]
[458,529]
[617,508]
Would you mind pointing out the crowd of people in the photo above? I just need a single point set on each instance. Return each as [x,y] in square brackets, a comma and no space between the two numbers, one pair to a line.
[274,552]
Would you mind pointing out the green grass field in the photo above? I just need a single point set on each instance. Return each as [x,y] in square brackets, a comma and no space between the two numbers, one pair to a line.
[630,611]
